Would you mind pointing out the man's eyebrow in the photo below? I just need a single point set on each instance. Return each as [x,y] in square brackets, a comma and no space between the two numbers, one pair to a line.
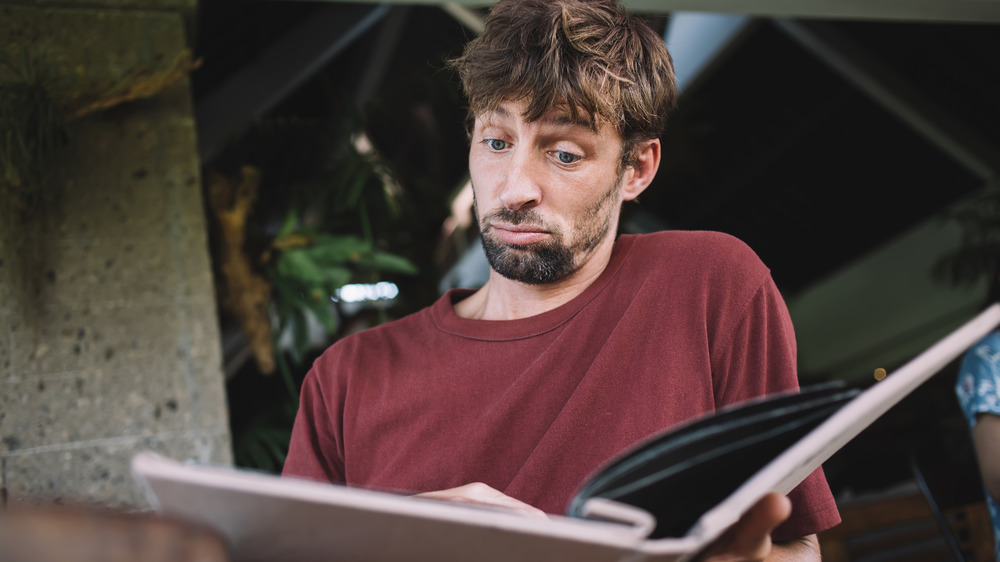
[498,112]
[557,118]
[564,120]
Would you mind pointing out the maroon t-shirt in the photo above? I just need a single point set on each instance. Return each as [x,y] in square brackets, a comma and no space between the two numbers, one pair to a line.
[678,324]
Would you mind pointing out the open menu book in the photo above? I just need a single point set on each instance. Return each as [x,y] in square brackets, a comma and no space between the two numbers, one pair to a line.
[663,500]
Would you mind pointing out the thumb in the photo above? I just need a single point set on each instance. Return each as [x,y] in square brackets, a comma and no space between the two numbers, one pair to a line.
[750,537]
[755,527]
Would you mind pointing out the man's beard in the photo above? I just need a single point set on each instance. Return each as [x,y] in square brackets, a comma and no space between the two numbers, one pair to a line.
[546,262]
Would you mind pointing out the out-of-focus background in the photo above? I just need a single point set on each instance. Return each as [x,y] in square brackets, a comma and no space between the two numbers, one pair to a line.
[196,198]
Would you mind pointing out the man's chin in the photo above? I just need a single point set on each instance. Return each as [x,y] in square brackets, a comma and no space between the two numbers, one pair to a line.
[530,264]
[524,248]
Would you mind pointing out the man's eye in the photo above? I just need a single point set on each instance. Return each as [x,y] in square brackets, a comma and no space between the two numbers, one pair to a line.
[566,157]
[495,144]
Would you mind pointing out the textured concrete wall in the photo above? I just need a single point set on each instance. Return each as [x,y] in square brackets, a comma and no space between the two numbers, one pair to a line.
[109,338]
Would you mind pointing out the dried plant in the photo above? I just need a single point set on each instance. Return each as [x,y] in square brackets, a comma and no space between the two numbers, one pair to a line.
[36,103]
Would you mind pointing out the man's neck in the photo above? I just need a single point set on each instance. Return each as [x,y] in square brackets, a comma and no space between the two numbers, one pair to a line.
[504,299]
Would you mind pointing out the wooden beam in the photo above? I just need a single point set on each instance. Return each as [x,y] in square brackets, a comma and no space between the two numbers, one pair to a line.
[971,11]
[284,66]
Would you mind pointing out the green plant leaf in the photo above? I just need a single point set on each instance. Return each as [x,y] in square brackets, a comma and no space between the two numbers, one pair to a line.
[337,277]
[389,263]
[321,310]
[299,327]
[298,264]
[288,227]
[357,185]
[338,250]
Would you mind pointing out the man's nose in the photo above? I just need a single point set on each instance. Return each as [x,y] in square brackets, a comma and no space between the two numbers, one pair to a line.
[521,187]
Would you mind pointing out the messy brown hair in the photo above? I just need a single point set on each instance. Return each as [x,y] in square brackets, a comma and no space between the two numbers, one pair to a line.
[593,56]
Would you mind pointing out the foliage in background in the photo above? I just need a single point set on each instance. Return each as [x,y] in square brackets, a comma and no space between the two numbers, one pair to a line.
[262,442]
[978,255]
[311,268]
[324,211]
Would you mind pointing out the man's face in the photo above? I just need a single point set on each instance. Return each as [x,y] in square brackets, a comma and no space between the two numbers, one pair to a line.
[547,193]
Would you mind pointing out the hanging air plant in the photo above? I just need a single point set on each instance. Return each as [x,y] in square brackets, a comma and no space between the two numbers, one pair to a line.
[32,126]
[36,103]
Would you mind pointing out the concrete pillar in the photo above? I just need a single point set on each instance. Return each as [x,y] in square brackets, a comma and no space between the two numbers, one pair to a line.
[109,338]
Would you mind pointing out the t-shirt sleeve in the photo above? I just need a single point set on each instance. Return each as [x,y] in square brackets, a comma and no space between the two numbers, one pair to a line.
[761,359]
[314,451]
[756,352]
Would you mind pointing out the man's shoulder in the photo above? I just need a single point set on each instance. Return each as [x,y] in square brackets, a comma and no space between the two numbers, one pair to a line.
[396,331]
[707,266]
[688,239]
[376,346]
[417,320]
[701,248]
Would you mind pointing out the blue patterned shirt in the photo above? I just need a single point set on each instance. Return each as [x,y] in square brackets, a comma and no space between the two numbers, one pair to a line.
[978,391]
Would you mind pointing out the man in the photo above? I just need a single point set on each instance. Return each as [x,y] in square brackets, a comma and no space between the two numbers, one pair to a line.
[579,344]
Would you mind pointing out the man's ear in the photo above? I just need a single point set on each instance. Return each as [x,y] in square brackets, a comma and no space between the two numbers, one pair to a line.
[638,176]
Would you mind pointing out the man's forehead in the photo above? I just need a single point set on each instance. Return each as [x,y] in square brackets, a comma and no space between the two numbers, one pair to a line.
[558,115]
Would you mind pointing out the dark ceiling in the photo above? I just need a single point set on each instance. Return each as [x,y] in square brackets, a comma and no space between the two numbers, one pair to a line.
[777,148]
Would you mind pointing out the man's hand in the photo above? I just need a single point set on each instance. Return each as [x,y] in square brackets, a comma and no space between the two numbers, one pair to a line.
[478,493]
[750,538]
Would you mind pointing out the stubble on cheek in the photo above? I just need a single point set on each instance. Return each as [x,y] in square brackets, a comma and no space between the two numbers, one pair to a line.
[598,222]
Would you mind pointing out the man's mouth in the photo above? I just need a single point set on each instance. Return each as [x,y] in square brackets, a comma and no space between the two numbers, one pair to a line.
[518,234]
